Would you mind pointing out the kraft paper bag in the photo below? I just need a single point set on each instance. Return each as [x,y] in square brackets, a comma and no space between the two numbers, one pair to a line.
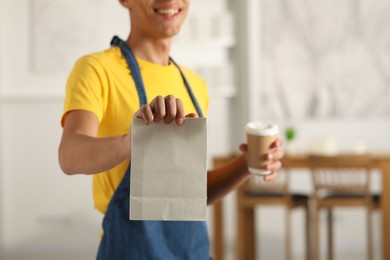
[168,179]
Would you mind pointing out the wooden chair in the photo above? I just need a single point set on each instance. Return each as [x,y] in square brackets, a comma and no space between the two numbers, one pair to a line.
[256,193]
[340,181]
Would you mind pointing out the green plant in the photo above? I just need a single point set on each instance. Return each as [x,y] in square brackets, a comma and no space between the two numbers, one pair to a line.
[290,133]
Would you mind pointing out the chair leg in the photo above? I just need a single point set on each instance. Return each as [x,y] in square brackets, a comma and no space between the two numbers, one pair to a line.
[240,243]
[316,234]
[369,234]
[288,234]
[250,232]
[330,234]
[245,234]
[308,231]
[218,231]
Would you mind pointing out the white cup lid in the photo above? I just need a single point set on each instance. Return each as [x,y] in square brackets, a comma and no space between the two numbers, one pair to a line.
[260,128]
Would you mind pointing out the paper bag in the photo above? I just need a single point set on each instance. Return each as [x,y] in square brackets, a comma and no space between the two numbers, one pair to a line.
[168,179]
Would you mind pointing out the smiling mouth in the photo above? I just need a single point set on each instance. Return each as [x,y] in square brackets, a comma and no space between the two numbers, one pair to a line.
[168,12]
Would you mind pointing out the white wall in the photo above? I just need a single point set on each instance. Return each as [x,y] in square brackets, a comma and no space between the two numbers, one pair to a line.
[41,209]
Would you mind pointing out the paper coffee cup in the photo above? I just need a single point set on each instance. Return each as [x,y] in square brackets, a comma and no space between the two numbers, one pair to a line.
[260,136]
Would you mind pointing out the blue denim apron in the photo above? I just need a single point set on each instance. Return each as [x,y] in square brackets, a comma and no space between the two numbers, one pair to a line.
[125,239]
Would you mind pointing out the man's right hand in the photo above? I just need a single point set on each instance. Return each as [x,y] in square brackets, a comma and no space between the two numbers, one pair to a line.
[168,109]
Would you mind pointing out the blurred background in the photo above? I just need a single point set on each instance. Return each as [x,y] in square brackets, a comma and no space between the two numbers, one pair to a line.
[321,68]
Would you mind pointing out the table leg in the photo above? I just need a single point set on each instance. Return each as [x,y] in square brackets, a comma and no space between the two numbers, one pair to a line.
[218,231]
[245,240]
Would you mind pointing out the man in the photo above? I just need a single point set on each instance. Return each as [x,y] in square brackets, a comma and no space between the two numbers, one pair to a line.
[104,91]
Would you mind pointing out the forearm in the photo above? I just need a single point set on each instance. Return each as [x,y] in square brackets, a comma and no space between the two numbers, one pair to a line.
[83,154]
[222,180]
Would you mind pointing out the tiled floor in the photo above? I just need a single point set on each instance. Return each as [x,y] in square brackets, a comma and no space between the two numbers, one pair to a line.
[92,257]
[51,257]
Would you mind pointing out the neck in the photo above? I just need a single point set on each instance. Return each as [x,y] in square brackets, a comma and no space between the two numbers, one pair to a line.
[152,50]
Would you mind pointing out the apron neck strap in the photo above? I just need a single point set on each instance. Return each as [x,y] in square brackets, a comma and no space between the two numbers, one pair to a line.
[134,68]
[136,74]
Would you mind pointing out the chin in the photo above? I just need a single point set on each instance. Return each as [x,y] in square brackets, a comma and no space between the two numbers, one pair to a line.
[169,33]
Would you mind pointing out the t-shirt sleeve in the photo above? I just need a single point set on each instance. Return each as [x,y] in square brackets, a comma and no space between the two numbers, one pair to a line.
[86,88]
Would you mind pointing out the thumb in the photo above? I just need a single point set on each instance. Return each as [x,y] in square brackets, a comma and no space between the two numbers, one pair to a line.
[243,148]
[192,115]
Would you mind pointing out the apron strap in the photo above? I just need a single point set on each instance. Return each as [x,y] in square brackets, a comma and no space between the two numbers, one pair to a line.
[134,68]
[136,74]
[193,98]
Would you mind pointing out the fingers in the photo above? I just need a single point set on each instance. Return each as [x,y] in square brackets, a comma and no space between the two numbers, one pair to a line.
[278,143]
[179,112]
[153,112]
[167,109]
[145,112]
[274,164]
[275,155]
[171,109]
[158,108]
[270,177]
[273,159]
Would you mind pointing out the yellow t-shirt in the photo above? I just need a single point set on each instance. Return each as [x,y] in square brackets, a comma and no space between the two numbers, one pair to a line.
[101,83]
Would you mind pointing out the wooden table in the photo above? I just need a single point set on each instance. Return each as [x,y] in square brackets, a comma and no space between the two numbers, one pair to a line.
[300,161]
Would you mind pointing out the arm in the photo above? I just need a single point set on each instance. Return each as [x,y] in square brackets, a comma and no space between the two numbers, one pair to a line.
[222,180]
[230,176]
[82,152]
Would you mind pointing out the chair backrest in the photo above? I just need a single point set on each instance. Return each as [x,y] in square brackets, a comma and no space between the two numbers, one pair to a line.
[340,173]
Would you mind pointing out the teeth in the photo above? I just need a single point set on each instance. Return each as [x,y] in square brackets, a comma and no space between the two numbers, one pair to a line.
[168,11]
